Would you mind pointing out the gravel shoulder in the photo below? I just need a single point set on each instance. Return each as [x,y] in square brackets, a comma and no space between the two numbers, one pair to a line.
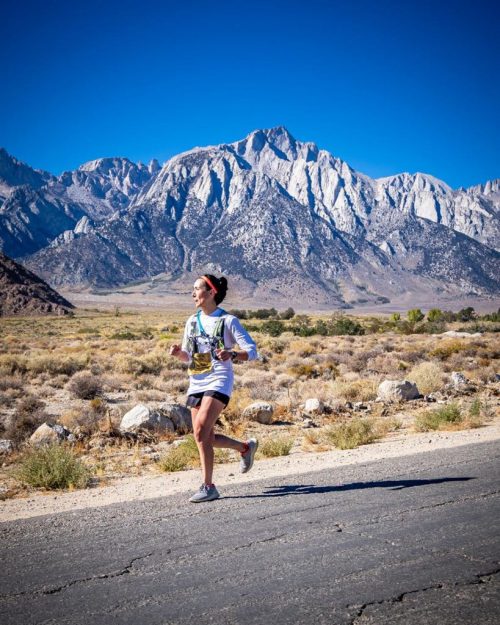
[150,487]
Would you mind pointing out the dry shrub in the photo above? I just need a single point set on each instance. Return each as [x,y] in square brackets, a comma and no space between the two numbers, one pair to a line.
[11,382]
[181,457]
[85,386]
[352,433]
[10,364]
[276,446]
[277,345]
[28,416]
[384,363]
[447,348]
[240,399]
[364,389]
[151,363]
[428,376]
[384,426]
[314,440]
[55,364]
[482,374]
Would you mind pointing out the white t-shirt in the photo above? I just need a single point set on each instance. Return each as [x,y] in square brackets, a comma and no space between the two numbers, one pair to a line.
[221,377]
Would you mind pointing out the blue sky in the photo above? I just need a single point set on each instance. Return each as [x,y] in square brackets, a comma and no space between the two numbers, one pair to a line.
[387,86]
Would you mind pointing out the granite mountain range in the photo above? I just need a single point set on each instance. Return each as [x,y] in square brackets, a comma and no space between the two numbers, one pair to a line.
[275,213]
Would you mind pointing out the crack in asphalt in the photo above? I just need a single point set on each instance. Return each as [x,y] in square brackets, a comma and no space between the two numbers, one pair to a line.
[481,578]
[84,580]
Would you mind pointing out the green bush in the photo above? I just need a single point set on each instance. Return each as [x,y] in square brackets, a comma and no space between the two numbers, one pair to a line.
[434,314]
[466,314]
[289,313]
[415,315]
[273,327]
[439,418]
[53,467]
[345,326]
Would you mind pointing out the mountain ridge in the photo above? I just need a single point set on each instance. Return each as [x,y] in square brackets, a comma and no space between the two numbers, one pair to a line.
[254,207]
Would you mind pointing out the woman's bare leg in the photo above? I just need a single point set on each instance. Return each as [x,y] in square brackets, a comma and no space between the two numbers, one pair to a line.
[204,418]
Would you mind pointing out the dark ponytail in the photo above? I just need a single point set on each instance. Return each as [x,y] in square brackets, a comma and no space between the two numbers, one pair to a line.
[220,284]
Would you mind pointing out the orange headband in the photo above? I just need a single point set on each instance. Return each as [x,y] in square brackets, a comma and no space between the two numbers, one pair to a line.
[209,282]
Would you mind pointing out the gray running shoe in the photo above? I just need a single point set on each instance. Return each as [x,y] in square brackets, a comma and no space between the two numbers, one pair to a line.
[246,461]
[206,493]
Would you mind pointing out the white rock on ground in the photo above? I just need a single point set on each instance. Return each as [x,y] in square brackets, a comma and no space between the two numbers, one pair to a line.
[458,379]
[314,406]
[464,335]
[142,418]
[48,434]
[397,390]
[6,446]
[260,411]
[179,415]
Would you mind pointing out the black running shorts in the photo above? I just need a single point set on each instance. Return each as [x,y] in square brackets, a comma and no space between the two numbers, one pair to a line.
[194,400]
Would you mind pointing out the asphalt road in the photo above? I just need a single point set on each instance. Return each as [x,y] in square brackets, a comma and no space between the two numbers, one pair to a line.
[411,540]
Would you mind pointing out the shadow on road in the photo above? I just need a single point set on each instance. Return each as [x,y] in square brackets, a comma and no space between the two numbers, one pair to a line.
[311,489]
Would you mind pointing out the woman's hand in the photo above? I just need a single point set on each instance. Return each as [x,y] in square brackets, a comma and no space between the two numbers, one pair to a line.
[174,350]
[223,354]
[177,352]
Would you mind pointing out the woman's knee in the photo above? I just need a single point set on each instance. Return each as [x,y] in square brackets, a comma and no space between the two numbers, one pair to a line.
[203,432]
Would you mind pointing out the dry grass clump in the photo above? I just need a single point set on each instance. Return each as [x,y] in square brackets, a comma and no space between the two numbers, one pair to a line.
[428,376]
[448,417]
[447,348]
[277,446]
[85,386]
[240,399]
[55,364]
[352,433]
[53,467]
[10,364]
[363,389]
[29,414]
[186,455]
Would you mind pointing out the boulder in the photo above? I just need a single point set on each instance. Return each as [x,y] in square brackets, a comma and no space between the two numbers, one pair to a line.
[6,446]
[314,406]
[49,434]
[458,380]
[179,415]
[260,411]
[461,335]
[397,390]
[142,418]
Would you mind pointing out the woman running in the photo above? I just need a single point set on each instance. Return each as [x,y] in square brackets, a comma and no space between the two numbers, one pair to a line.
[209,338]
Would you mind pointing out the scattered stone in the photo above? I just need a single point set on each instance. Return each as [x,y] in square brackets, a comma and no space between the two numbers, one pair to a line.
[458,379]
[359,405]
[308,423]
[314,406]
[179,415]
[49,434]
[430,398]
[260,411]
[458,335]
[142,418]
[397,390]
[6,446]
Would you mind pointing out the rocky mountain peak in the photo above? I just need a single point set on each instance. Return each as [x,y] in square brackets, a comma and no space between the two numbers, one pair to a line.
[15,173]
[24,293]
